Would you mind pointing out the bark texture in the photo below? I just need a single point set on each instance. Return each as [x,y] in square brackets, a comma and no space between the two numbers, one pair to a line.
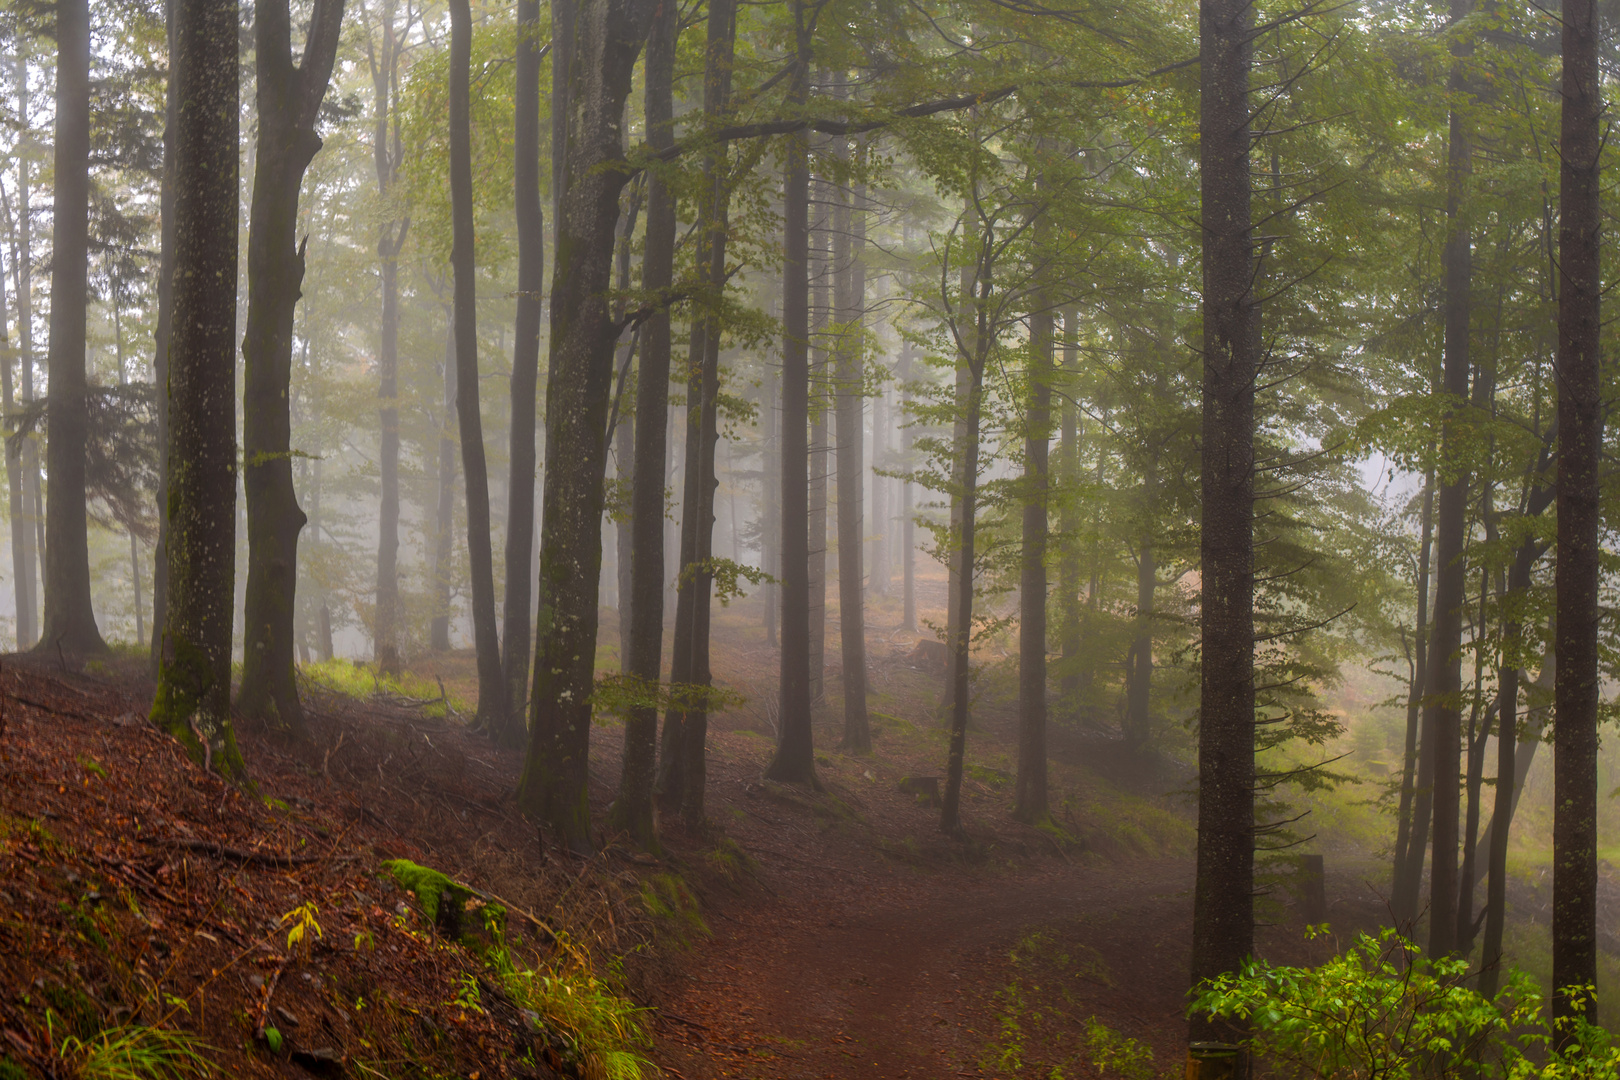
[849,404]
[193,698]
[1580,444]
[1407,838]
[289,100]
[69,621]
[1223,896]
[1030,794]
[474,469]
[517,639]
[608,36]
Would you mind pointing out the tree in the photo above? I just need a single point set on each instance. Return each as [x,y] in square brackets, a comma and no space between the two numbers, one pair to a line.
[515,642]
[194,682]
[849,397]
[633,809]
[69,620]
[794,760]
[491,689]
[1580,444]
[1223,897]
[1030,798]
[607,40]
[22,550]
[387,150]
[289,101]
[160,361]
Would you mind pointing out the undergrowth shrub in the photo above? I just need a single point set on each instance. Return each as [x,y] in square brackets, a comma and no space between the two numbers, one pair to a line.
[1380,1009]
[602,1027]
[360,681]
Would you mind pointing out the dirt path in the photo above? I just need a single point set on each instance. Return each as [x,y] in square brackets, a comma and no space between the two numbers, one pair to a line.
[905,977]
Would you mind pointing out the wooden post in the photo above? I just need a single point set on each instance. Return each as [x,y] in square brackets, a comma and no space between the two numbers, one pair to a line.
[1213,1061]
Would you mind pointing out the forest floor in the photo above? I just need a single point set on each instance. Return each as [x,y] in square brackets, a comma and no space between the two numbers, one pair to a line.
[806,934]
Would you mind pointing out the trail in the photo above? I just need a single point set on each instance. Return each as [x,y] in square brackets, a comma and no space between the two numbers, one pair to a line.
[884,976]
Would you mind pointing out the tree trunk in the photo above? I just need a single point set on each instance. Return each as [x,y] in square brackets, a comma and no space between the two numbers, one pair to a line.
[34,507]
[821,305]
[794,760]
[1223,896]
[69,620]
[1479,724]
[967,455]
[289,101]
[387,152]
[1442,711]
[512,727]
[1069,519]
[955,578]
[1409,839]
[193,701]
[633,809]
[850,403]
[608,36]
[881,538]
[480,561]
[1138,722]
[445,513]
[160,373]
[22,548]
[770,502]
[1030,796]
[1580,443]
[908,527]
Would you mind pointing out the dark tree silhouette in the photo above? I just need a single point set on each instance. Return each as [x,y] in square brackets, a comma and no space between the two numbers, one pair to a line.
[289,100]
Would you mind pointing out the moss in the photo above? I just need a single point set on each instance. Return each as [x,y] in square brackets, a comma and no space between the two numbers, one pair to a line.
[185,683]
[445,902]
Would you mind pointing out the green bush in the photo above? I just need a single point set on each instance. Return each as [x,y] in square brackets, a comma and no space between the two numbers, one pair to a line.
[1381,1010]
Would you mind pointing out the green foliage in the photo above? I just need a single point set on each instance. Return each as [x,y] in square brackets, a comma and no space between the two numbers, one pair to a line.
[432,888]
[617,693]
[10,1070]
[136,1052]
[1119,1055]
[668,899]
[602,1029]
[1380,1009]
[362,681]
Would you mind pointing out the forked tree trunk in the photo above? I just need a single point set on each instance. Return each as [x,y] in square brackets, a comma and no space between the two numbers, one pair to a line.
[633,809]
[607,39]
[1443,712]
[289,101]
[480,561]
[387,153]
[69,620]
[512,725]
[193,701]
[1580,445]
[1223,895]
[794,760]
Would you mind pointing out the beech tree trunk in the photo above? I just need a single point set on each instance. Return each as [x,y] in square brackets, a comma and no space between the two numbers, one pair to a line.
[849,405]
[516,641]
[69,620]
[387,151]
[445,513]
[33,504]
[1223,896]
[607,39]
[633,809]
[908,527]
[794,760]
[480,561]
[160,370]
[193,701]
[821,302]
[1580,444]
[22,577]
[1442,710]
[289,101]
[1030,795]
[1069,520]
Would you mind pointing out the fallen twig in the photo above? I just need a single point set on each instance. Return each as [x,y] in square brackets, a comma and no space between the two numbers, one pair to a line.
[224,851]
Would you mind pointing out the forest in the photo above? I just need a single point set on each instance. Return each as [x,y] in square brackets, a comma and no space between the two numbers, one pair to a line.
[658,519]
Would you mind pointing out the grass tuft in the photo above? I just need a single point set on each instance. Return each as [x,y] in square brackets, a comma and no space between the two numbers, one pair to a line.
[136,1052]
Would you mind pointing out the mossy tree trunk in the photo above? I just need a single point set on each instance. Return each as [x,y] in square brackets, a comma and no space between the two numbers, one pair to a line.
[193,699]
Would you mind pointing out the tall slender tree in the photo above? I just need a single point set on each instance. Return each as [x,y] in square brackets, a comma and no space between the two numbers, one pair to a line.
[794,760]
[160,360]
[289,101]
[849,399]
[475,471]
[633,809]
[387,151]
[607,40]
[22,571]
[69,620]
[1580,445]
[1223,896]
[1030,794]
[531,225]
[193,701]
